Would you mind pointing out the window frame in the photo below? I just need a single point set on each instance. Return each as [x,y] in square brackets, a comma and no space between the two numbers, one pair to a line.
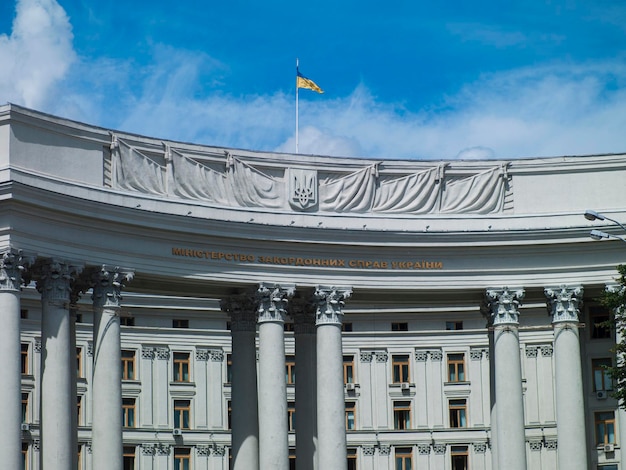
[129,412]
[129,452]
[25,407]
[182,458]
[25,358]
[403,458]
[290,369]
[598,315]
[291,416]
[348,369]
[79,362]
[399,326]
[401,415]
[459,452]
[182,414]
[127,359]
[458,413]
[181,363]
[598,366]
[400,368]
[350,415]
[605,422]
[454,361]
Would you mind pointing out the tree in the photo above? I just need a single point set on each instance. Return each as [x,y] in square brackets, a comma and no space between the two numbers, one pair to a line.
[615,300]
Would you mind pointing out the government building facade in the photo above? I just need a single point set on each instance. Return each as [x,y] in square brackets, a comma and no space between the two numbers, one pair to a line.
[171,306]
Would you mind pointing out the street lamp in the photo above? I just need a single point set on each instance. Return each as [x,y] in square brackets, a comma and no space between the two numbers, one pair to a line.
[598,234]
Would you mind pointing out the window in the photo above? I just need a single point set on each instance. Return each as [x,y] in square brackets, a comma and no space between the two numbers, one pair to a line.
[290,370]
[288,327]
[400,366]
[24,407]
[24,456]
[599,329]
[458,413]
[404,456]
[178,323]
[127,321]
[128,412]
[350,416]
[292,459]
[79,453]
[459,457]
[24,314]
[351,459]
[402,415]
[291,416]
[456,367]
[129,458]
[229,415]
[181,367]
[24,359]
[346,327]
[605,427]
[454,325]
[229,368]
[182,459]
[402,326]
[79,362]
[348,369]
[79,403]
[181,414]
[601,376]
[607,467]
[128,365]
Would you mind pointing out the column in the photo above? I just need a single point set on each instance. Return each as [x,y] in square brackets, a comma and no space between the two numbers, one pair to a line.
[331,425]
[58,393]
[11,267]
[306,409]
[107,368]
[563,305]
[502,307]
[244,403]
[273,445]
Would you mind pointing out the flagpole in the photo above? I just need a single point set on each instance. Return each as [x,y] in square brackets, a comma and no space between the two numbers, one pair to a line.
[297,63]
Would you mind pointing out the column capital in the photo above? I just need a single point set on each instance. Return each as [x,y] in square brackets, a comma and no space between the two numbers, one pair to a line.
[564,302]
[241,308]
[12,265]
[107,286]
[55,278]
[502,305]
[273,299]
[329,302]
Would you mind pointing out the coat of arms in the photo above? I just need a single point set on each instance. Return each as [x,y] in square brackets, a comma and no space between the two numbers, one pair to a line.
[302,188]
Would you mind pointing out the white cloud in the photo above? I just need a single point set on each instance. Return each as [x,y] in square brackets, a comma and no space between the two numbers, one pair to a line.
[37,54]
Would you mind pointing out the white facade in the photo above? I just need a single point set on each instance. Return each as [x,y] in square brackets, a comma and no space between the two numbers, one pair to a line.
[466,292]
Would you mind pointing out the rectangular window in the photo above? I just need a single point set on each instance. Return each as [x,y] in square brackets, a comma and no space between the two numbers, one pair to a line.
[605,427]
[182,410]
[25,408]
[599,316]
[79,408]
[291,416]
[456,367]
[454,325]
[290,370]
[129,458]
[402,415]
[128,365]
[346,327]
[458,413]
[79,362]
[348,369]
[79,452]
[178,323]
[181,367]
[229,368]
[601,376]
[128,412]
[127,321]
[459,456]
[24,359]
[292,459]
[350,416]
[399,326]
[404,457]
[229,416]
[400,366]
[24,455]
[351,459]
[182,458]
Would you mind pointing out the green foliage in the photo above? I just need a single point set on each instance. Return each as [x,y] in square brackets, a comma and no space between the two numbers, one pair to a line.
[615,301]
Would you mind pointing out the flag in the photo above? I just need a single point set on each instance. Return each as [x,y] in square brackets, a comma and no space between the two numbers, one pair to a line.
[303,82]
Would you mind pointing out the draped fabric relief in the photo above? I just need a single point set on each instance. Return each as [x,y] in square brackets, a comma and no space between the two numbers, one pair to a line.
[352,193]
[427,191]
[413,194]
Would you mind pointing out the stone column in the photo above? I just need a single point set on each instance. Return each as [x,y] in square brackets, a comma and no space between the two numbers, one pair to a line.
[563,305]
[502,305]
[244,402]
[11,267]
[273,444]
[58,393]
[306,409]
[107,368]
[331,424]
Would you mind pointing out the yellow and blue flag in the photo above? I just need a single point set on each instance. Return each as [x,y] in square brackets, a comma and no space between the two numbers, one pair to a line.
[303,82]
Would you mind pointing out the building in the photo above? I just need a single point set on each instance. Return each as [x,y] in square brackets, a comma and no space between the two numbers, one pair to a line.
[437,315]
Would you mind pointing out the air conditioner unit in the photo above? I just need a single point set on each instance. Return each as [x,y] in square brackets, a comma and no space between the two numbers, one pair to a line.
[177,432]
[25,427]
[609,447]
[350,387]
[602,394]
[404,386]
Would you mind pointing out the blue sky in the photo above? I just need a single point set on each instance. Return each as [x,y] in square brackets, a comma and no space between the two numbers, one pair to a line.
[402,79]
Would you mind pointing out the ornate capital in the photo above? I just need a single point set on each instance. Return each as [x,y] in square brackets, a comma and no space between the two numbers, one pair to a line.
[421,355]
[273,299]
[219,451]
[423,449]
[480,447]
[436,354]
[148,449]
[547,350]
[502,305]
[216,355]
[384,449]
[55,278]
[564,303]
[381,356]
[329,302]
[550,444]
[439,449]
[241,308]
[476,354]
[147,352]
[11,269]
[535,445]
[162,449]
[162,352]
[368,450]
[107,286]
[366,356]
[203,451]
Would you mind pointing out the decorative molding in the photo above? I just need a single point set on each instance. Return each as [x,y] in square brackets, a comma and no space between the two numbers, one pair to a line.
[476,354]
[272,301]
[439,449]
[219,451]
[90,348]
[564,303]
[162,352]
[366,356]
[381,356]
[216,355]
[480,447]
[421,355]
[203,451]
[384,449]
[436,354]
[550,444]
[147,352]
[12,265]
[107,286]
[531,351]
[423,449]
[535,445]
[89,447]
[37,346]
[202,354]
[329,302]
[148,449]
[547,350]
[302,188]
[368,450]
[241,308]
[37,445]
[162,449]
[502,305]
[54,279]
